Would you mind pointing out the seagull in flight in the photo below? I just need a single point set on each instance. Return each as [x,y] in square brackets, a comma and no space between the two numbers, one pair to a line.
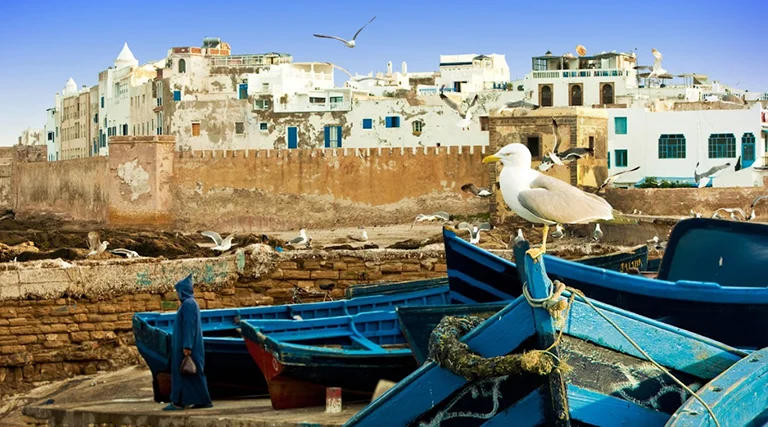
[703,178]
[95,244]
[613,177]
[437,216]
[350,43]
[555,157]
[466,115]
[356,79]
[221,244]
[474,230]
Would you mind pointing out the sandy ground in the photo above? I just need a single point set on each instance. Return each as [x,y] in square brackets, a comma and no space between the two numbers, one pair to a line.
[127,393]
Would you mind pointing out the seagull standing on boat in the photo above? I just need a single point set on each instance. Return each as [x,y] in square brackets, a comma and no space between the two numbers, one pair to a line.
[348,43]
[479,192]
[221,244]
[703,179]
[466,115]
[598,233]
[542,199]
[474,231]
[95,244]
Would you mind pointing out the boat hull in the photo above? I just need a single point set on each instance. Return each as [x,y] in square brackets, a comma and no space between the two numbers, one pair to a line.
[296,382]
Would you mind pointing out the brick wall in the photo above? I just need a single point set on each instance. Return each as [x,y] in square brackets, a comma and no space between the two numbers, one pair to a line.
[56,323]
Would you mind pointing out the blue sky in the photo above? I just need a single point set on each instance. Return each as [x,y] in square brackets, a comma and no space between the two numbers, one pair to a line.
[46,42]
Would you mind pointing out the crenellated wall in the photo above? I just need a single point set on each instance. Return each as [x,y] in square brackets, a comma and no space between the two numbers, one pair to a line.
[144,182]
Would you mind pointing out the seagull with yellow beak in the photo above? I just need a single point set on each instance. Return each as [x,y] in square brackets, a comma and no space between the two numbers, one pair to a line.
[542,199]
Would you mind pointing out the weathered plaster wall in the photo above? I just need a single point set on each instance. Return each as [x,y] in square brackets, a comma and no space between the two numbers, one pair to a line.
[140,174]
[249,190]
[77,188]
[56,323]
[6,176]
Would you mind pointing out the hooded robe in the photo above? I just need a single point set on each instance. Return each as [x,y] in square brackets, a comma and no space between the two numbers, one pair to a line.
[187,333]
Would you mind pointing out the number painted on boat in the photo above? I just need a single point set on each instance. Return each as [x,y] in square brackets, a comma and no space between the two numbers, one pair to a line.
[628,265]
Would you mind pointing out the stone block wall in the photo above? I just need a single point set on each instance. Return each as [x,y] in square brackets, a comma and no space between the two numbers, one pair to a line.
[60,322]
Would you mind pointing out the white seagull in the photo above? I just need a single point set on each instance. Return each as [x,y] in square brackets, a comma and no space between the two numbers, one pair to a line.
[657,71]
[350,43]
[221,245]
[542,199]
[95,245]
[125,252]
[555,157]
[474,230]
[353,78]
[303,239]
[479,192]
[598,233]
[437,216]
[466,115]
[363,237]
[558,233]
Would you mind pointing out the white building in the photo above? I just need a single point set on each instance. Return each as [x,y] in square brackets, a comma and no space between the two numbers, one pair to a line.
[474,73]
[31,136]
[667,145]
[51,131]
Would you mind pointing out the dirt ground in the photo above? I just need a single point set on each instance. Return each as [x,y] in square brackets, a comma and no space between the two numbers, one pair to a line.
[50,238]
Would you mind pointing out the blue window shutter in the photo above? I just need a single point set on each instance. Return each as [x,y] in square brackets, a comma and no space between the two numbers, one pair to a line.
[338,135]
[367,123]
[609,160]
[327,137]
[389,122]
[177,95]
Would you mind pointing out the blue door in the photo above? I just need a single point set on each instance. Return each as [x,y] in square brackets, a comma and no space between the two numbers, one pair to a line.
[293,137]
[747,150]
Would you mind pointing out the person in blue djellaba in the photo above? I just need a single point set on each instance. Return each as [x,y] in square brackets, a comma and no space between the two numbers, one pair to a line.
[188,389]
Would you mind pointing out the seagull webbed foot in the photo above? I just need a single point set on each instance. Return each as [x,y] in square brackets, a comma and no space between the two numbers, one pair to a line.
[536,253]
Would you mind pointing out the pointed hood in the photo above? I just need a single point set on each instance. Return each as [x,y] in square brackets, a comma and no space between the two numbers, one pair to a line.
[184,288]
[125,58]
[70,87]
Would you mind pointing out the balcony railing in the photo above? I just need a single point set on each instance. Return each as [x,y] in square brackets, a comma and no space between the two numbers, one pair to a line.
[306,107]
[764,165]
[578,73]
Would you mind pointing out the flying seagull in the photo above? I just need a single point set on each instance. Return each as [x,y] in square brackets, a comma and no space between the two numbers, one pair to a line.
[95,244]
[555,157]
[480,192]
[125,253]
[703,178]
[731,212]
[302,239]
[656,70]
[221,245]
[437,216]
[350,43]
[542,199]
[474,230]
[522,104]
[613,177]
[466,115]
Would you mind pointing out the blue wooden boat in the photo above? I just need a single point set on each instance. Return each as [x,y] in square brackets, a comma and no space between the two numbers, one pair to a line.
[737,397]
[564,368]
[386,288]
[711,280]
[418,322]
[622,261]
[299,359]
[228,366]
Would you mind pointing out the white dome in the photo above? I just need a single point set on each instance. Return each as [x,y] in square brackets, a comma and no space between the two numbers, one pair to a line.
[70,87]
[125,58]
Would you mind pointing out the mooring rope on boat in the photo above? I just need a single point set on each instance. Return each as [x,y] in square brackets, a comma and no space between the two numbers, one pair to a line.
[553,303]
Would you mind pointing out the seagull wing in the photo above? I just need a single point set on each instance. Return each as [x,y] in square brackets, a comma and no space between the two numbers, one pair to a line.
[464,226]
[557,138]
[626,171]
[451,104]
[484,226]
[340,68]
[473,104]
[94,240]
[758,198]
[445,216]
[330,37]
[296,240]
[361,28]
[657,61]
[214,236]
[554,200]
